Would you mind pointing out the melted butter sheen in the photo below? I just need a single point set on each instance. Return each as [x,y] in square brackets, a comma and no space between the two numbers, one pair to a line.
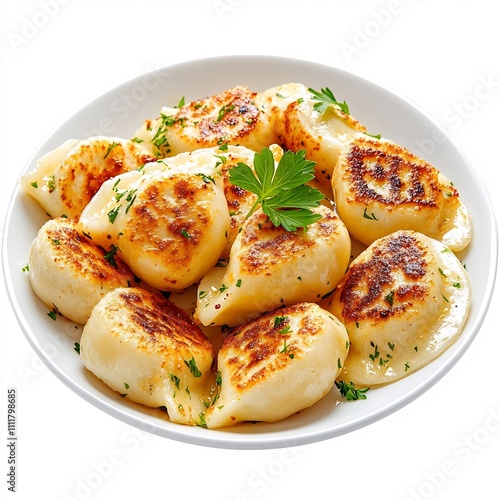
[65,180]
[170,222]
[270,267]
[403,300]
[380,187]
[293,364]
[147,349]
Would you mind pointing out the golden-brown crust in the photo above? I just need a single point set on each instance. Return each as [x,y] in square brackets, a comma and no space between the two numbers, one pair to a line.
[290,138]
[385,172]
[181,230]
[171,227]
[236,197]
[226,117]
[138,340]
[403,301]
[157,319]
[86,169]
[269,246]
[75,251]
[371,289]
[257,349]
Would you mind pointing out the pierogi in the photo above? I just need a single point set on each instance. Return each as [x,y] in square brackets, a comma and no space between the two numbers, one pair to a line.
[380,187]
[70,273]
[147,349]
[280,363]
[67,178]
[234,116]
[171,226]
[300,126]
[261,322]
[404,300]
[270,267]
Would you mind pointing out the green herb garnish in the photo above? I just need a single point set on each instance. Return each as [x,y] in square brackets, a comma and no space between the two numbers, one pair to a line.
[110,255]
[326,99]
[110,148]
[390,298]
[369,217]
[376,352]
[281,189]
[193,368]
[278,320]
[160,140]
[175,379]
[224,110]
[349,391]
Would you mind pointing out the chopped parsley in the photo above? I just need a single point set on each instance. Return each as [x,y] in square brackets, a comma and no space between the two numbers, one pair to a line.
[110,256]
[390,298]
[110,148]
[160,140]
[51,183]
[369,216]
[349,391]
[278,320]
[376,352]
[191,364]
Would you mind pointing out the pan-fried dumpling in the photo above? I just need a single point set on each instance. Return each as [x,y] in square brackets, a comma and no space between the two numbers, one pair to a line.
[71,274]
[404,300]
[300,126]
[270,267]
[211,164]
[234,116]
[282,362]
[380,187]
[170,226]
[65,179]
[148,350]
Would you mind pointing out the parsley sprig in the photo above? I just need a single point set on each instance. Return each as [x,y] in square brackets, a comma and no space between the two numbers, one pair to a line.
[325,99]
[281,190]
[349,391]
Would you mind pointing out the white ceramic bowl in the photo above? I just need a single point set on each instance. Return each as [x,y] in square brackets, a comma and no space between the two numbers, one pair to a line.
[121,111]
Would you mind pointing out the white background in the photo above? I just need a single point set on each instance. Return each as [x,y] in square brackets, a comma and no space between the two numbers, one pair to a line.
[58,55]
